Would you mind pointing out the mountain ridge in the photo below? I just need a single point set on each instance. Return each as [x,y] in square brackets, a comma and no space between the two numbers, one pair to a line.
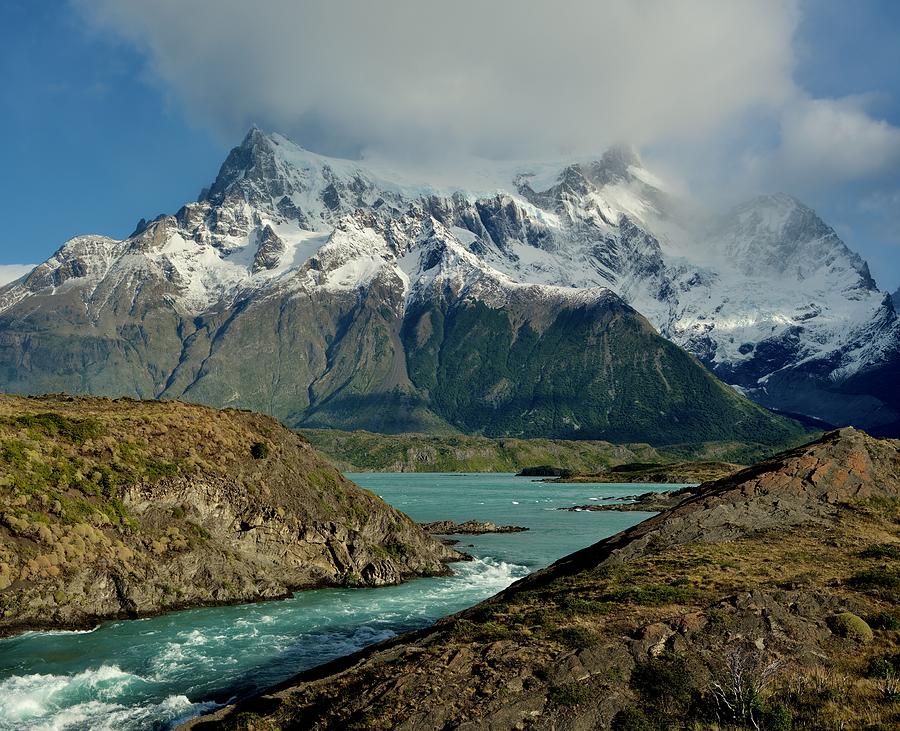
[280,224]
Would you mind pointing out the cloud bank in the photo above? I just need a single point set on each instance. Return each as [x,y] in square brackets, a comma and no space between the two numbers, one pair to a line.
[11,272]
[518,78]
[706,89]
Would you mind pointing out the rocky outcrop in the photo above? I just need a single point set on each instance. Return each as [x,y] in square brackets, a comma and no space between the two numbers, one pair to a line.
[125,508]
[468,527]
[778,582]
[545,471]
[660,474]
[269,250]
[649,502]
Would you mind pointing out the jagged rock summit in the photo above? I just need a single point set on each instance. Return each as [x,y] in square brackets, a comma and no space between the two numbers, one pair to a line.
[352,284]
[785,572]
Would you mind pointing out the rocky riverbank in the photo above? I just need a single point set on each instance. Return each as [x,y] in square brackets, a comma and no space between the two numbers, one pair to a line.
[768,599]
[650,502]
[126,508]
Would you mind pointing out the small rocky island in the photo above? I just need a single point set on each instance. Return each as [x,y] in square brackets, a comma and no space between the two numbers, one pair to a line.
[127,508]
[468,527]
[545,471]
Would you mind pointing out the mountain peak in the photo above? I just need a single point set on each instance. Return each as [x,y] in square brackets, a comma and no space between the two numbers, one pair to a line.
[776,235]
[773,202]
[618,158]
[772,289]
[254,136]
[779,216]
[252,160]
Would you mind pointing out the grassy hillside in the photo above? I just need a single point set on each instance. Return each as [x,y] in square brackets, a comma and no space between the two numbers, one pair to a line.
[535,363]
[111,508]
[675,472]
[573,371]
[362,451]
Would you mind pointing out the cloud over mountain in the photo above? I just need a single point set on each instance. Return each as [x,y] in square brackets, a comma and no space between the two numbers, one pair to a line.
[497,79]
[718,95]
[11,272]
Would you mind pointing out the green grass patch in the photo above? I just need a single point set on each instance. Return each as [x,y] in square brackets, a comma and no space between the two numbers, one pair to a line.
[881,551]
[49,424]
[570,694]
[652,595]
[878,580]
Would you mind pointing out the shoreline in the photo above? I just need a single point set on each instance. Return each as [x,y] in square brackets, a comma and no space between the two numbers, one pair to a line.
[649,502]
[92,623]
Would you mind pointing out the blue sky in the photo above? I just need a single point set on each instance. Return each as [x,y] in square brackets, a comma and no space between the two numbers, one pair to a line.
[90,144]
[847,48]
[109,115]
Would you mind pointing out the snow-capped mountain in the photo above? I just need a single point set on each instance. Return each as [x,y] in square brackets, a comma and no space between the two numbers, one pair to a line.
[317,288]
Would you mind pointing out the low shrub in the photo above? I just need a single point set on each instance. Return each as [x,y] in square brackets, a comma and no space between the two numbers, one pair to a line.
[464,629]
[576,637]
[664,684]
[653,595]
[884,620]
[13,452]
[252,722]
[570,694]
[259,450]
[578,605]
[392,550]
[777,717]
[877,580]
[157,470]
[886,666]
[493,631]
[882,550]
[632,718]
[847,624]
[50,424]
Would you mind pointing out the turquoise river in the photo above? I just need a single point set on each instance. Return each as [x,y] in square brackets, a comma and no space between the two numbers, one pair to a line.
[153,673]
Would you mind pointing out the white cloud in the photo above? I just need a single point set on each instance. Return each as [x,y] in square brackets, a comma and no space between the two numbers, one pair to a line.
[834,140]
[11,272]
[705,87]
[498,78]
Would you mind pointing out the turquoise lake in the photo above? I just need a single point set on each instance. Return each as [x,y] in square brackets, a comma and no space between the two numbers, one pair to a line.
[153,673]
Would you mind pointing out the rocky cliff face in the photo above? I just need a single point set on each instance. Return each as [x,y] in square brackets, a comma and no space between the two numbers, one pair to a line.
[750,604]
[122,508]
[345,280]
